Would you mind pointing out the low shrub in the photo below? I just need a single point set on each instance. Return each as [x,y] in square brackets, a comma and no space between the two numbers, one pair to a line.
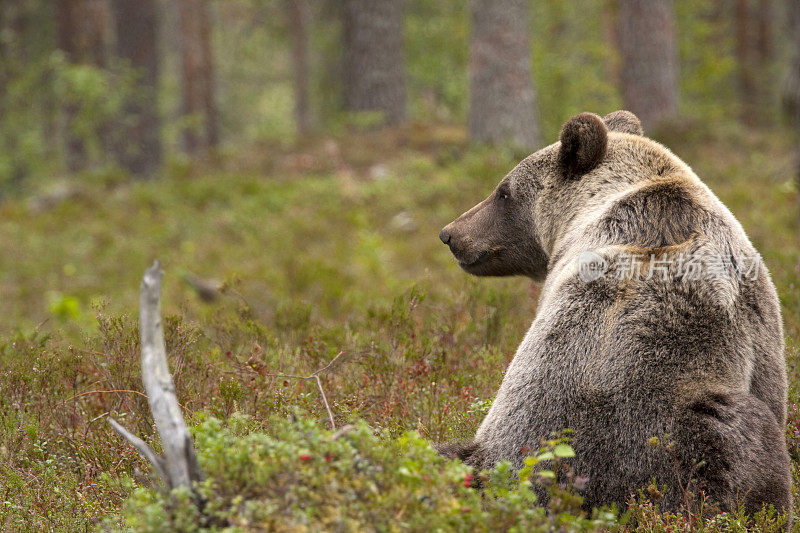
[297,476]
[291,474]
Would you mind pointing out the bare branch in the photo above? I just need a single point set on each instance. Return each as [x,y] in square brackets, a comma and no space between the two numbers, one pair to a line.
[206,289]
[179,465]
[179,455]
[143,448]
[325,401]
[326,367]
[315,376]
[344,431]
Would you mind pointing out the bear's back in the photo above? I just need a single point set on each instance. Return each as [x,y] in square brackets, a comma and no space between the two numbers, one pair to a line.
[683,295]
[683,301]
[657,318]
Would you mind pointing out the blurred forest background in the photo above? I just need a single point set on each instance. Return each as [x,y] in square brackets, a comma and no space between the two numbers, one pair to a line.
[291,163]
[93,85]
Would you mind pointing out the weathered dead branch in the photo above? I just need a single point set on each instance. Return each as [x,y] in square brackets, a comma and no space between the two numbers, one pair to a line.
[178,466]
[315,376]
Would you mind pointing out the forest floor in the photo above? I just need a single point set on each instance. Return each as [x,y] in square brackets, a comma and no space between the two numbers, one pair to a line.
[318,249]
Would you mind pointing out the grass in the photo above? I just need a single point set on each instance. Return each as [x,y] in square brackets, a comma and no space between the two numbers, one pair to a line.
[326,247]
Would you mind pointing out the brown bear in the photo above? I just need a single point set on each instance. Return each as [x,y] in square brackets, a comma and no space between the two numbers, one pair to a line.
[657,318]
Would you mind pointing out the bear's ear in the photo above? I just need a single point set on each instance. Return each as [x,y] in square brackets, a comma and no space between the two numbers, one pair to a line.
[584,139]
[623,122]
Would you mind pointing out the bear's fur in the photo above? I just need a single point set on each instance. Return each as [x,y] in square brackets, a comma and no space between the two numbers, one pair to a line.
[696,359]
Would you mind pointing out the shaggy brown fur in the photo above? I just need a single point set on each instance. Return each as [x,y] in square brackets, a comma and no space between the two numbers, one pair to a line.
[583,144]
[622,359]
[624,122]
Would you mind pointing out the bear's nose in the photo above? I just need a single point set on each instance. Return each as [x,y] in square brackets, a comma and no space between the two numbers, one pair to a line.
[444,236]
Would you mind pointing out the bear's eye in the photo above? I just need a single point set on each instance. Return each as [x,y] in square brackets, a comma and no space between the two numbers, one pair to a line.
[503,193]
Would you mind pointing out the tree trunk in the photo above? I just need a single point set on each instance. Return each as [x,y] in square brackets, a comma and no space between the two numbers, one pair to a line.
[765,53]
[609,24]
[791,90]
[82,31]
[136,23]
[502,106]
[298,21]
[746,27]
[4,60]
[649,55]
[791,93]
[374,70]
[198,76]
[766,19]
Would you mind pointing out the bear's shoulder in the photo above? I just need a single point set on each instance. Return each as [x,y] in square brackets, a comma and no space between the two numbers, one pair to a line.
[657,213]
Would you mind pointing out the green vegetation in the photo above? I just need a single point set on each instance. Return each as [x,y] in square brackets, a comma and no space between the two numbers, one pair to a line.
[317,246]
[301,477]
[321,248]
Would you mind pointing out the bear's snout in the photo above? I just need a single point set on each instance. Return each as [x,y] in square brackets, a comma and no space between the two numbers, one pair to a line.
[459,246]
[444,235]
[463,248]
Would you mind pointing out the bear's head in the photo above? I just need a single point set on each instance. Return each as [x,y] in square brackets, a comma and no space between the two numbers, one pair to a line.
[512,232]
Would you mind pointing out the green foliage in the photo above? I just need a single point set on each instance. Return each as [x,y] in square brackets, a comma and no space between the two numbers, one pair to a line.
[644,515]
[326,247]
[65,307]
[573,64]
[89,91]
[253,68]
[26,136]
[575,68]
[708,65]
[290,474]
[436,51]
[44,99]
[311,264]
[298,476]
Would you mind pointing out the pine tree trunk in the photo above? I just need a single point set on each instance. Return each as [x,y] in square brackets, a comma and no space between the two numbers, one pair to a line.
[82,30]
[766,20]
[6,50]
[198,76]
[374,70]
[610,28]
[298,22]
[765,52]
[648,50]
[746,32]
[136,23]
[502,100]
[3,63]
[791,93]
